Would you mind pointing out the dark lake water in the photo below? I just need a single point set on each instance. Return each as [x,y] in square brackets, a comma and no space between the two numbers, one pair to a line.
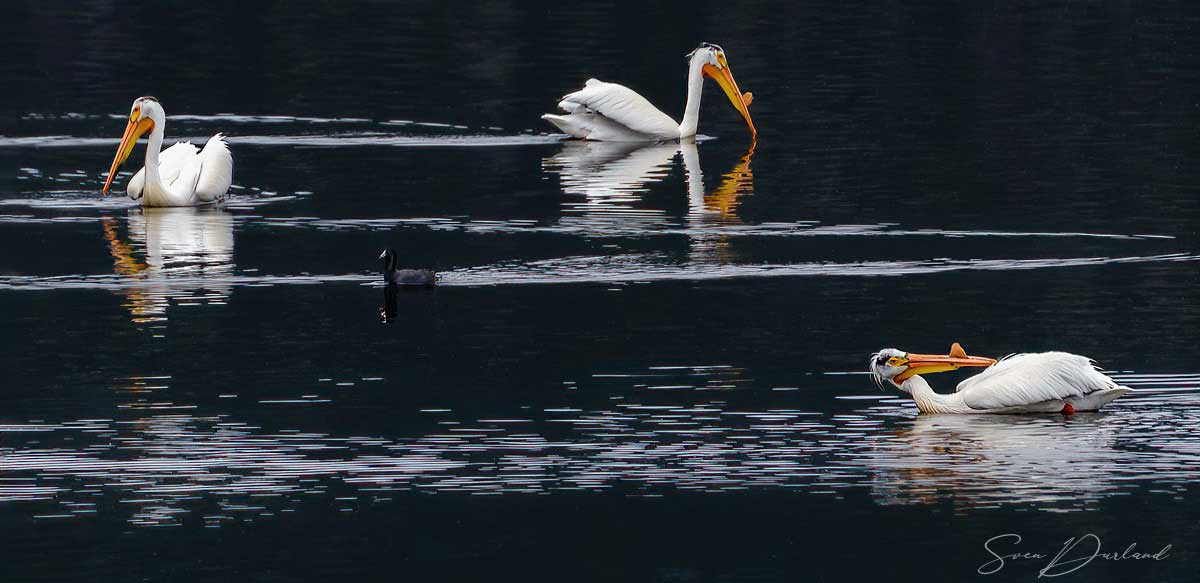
[643,363]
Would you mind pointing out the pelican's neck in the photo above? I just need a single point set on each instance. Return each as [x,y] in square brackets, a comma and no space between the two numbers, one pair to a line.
[695,86]
[153,148]
[927,400]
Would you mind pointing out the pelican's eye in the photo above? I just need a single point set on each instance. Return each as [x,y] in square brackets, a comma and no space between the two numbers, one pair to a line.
[133,116]
[896,361]
[721,59]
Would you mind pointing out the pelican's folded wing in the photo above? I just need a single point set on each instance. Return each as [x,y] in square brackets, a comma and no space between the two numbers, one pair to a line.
[170,162]
[215,173]
[1025,379]
[623,106]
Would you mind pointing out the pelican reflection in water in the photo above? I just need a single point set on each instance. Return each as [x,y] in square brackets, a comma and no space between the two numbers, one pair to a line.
[987,459]
[717,207]
[612,177]
[182,254]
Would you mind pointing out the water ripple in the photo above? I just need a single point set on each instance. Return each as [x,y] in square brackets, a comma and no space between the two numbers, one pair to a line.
[626,268]
[627,225]
[166,463]
[327,139]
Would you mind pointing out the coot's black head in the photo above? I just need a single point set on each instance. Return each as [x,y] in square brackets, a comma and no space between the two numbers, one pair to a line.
[388,257]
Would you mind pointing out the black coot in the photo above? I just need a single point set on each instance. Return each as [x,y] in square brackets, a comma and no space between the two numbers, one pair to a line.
[404,277]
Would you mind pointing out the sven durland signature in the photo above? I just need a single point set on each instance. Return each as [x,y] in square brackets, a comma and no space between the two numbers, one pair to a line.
[1075,554]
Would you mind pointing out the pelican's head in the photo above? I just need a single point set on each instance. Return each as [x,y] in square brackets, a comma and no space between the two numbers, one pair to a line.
[897,366]
[145,112]
[713,64]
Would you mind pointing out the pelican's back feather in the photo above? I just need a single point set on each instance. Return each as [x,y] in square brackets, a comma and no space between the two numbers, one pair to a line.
[623,106]
[1024,379]
[213,180]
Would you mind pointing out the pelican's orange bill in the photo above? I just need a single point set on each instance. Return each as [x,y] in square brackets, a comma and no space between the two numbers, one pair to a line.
[133,131]
[931,363]
[741,101]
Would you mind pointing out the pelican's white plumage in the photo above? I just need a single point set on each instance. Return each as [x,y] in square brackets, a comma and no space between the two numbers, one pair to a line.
[181,175]
[615,113]
[1023,379]
[1045,382]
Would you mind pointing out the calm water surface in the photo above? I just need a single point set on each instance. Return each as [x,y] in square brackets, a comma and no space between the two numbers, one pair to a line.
[643,362]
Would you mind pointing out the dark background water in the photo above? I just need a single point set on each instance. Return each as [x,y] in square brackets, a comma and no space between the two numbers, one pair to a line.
[643,363]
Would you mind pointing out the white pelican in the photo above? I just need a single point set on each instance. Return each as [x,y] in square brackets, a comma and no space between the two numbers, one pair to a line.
[615,113]
[179,176]
[1044,382]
